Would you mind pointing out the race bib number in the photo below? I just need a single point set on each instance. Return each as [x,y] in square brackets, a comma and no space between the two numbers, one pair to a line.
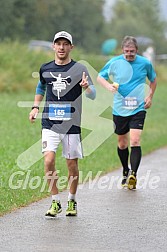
[61,112]
[130,103]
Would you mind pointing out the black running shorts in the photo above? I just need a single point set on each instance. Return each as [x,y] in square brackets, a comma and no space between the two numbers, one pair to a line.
[122,124]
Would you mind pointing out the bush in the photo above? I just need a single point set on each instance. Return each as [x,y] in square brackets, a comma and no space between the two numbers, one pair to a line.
[18,63]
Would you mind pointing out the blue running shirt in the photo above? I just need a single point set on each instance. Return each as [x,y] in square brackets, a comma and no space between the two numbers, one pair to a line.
[131,77]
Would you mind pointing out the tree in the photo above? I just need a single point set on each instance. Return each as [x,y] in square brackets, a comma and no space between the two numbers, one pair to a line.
[81,18]
[137,18]
[40,19]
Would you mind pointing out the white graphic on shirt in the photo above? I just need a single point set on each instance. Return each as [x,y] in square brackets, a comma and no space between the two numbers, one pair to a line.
[59,84]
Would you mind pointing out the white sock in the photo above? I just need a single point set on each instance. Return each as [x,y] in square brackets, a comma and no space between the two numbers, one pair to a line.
[71,196]
[56,197]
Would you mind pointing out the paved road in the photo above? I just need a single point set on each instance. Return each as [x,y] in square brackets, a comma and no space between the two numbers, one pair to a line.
[114,219]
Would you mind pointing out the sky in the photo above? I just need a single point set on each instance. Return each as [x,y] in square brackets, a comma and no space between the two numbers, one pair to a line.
[108,9]
[163,6]
[110,3]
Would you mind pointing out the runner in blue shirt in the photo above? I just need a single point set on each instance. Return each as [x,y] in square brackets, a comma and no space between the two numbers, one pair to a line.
[63,80]
[128,73]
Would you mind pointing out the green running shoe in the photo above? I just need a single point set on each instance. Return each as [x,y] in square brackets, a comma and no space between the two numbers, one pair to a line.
[71,208]
[54,209]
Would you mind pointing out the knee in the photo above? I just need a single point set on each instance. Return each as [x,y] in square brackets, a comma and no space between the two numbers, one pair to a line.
[123,141]
[49,162]
[135,141]
[123,144]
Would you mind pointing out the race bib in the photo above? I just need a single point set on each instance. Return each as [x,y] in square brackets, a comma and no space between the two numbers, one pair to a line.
[61,112]
[130,103]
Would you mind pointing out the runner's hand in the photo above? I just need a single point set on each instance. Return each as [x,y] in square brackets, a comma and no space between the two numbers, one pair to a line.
[111,88]
[33,115]
[148,102]
[84,83]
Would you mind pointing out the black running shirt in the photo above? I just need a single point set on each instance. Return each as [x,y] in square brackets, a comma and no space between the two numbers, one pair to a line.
[63,105]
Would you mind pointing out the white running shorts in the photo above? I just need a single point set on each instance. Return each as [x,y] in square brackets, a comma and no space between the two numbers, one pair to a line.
[72,147]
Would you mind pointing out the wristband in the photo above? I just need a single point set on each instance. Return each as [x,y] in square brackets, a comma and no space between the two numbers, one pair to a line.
[37,107]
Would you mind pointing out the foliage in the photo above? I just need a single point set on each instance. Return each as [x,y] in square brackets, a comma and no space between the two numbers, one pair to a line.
[41,19]
[18,64]
[138,18]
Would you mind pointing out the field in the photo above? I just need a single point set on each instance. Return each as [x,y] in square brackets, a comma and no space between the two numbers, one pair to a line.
[22,183]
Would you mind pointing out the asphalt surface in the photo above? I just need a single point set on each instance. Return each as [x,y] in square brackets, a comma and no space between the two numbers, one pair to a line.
[109,218]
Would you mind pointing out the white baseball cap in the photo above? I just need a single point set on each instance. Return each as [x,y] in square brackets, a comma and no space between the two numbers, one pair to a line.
[63,34]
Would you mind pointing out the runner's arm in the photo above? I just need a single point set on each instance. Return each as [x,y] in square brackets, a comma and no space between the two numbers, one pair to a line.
[103,82]
[40,92]
[90,92]
[148,99]
[87,85]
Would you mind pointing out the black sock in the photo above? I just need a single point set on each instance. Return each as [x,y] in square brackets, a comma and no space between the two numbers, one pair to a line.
[135,158]
[123,155]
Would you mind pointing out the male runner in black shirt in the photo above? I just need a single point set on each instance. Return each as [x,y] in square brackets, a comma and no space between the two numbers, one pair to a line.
[63,80]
